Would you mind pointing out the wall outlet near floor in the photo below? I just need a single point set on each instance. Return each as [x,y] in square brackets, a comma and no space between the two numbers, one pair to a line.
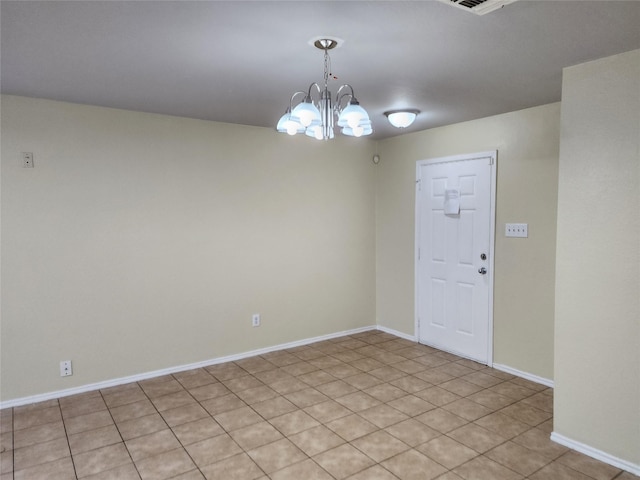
[255,320]
[65,368]
[520,230]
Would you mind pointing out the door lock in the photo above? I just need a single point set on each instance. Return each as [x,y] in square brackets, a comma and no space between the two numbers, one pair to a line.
[483,256]
[482,271]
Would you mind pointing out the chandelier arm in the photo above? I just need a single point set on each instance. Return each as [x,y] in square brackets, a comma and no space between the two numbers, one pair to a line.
[340,97]
[292,97]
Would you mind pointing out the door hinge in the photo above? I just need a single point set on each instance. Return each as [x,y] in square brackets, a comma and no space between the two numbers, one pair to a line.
[419,183]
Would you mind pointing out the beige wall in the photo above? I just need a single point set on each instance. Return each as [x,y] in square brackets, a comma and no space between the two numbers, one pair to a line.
[527,142]
[141,242]
[597,365]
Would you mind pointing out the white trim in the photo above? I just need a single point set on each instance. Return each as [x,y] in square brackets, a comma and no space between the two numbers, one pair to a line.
[492,155]
[595,453]
[166,371]
[527,376]
[411,338]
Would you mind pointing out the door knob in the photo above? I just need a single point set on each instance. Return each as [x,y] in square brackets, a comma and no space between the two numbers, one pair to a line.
[482,271]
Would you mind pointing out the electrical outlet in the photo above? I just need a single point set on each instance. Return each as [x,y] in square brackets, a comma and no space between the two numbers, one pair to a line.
[520,230]
[27,159]
[255,319]
[65,368]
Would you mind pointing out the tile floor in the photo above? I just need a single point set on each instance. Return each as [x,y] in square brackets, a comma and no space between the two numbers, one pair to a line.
[368,406]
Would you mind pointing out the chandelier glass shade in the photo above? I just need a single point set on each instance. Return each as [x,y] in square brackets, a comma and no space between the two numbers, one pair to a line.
[317,117]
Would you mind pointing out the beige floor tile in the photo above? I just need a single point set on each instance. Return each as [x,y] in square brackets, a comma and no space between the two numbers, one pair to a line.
[446,451]
[277,455]
[212,390]
[101,459]
[152,444]
[256,394]
[343,461]
[137,427]
[335,389]
[467,409]
[541,401]
[411,383]
[383,416]
[307,470]
[123,472]
[91,421]
[503,425]
[6,462]
[482,468]
[441,420]
[274,407]
[294,422]
[316,440]
[434,377]
[306,398]
[299,368]
[475,437]
[92,439]
[539,441]
[191,475]
[351,427]
[238,467]
[326,411]
[589,466]
[526,413]
[288,385]
[518,458]
[450,476]
[194,378]
[82,406]
[412,432]
[26,419]
[160,388]
[411,405]
[239,418]
[39,453]
[256,435]
[491,400]
[374,473]
[222,404]
[193,432]
[358,401]
[39,434]
[61,469]
[166,465]
[437,396]
[364,380]
[380,445]
[346,370]
[132,410]
[172,400]
[124,397]
[226,371]
[319,377]
[212,450]
[557,471]
[385,392]
[481,379]
[184,414]
[512,390]
[413,465]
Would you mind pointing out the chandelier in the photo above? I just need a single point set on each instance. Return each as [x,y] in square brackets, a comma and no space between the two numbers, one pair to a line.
[316,117]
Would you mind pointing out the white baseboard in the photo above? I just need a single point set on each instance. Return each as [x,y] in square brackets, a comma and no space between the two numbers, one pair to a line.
[527,376]
[166,371]
[411,338]
[595,453]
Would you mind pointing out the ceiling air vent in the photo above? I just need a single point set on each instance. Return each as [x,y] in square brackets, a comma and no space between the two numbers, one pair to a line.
[479,7]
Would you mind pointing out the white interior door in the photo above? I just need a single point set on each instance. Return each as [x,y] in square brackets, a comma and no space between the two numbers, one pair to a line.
[455,214]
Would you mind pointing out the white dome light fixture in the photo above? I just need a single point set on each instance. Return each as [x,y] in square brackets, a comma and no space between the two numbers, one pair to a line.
[402,118]
[316,117]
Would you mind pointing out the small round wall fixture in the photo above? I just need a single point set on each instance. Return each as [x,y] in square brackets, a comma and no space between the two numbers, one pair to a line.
[402,118]
[376,159]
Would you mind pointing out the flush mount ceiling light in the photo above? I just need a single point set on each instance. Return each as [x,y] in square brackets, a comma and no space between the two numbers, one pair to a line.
[316,117]
[402,118]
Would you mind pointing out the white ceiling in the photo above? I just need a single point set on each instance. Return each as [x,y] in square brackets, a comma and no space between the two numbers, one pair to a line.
[240,61]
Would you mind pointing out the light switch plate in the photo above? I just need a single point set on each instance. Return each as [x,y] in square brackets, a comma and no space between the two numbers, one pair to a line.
[520,230]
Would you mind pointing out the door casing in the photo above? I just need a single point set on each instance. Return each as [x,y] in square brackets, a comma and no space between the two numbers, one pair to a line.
[492,158]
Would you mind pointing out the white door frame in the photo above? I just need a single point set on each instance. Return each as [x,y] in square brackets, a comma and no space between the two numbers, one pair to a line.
[492,158]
